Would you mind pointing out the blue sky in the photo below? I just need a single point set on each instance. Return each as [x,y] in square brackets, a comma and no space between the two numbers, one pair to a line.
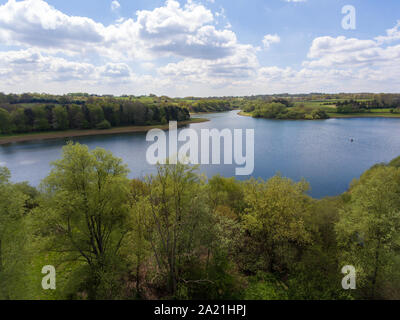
[201,48]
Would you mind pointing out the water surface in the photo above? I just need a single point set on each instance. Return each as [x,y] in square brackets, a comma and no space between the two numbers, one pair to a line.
[319,151]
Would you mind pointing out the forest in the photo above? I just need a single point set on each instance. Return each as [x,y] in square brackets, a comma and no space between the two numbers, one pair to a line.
[284,110]
[40,113]
[177,234]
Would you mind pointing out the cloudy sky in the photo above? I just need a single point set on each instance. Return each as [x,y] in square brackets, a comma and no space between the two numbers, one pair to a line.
[198,47]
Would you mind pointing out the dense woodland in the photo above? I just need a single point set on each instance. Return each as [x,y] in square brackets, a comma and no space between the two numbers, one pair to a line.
[354,106]
[38,113]
[179,235]
[283,110]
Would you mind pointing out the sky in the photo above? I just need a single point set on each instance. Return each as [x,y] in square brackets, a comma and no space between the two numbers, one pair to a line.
[199,47]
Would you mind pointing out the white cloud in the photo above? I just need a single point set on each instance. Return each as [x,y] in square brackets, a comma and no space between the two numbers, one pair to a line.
[341,64]
[35,23]
[185,31]
[392,34]
[241,65]
[115,70]
[30,63]
[270,39]
[350,52]
[115,5]
[52,51]
[47,37]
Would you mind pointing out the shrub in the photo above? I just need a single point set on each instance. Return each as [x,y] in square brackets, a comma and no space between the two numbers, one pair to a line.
[103,125]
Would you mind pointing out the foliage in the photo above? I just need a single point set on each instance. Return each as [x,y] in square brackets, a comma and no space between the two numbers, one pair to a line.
[369,228]
[83,213]
[279,110]
[177,235]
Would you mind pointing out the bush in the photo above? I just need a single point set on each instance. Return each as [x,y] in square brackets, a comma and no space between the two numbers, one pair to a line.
[265,286]
[103,125]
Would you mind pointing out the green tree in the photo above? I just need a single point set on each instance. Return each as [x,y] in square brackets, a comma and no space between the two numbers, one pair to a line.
[76,117]
[180,222]
[369,231]
[20,120]
[96,115]
[40,122]
[60,118]
[5,122]
[275,218]
[12,209]
[84,211]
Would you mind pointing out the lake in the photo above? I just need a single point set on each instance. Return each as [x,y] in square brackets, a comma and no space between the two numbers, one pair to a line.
[319,151]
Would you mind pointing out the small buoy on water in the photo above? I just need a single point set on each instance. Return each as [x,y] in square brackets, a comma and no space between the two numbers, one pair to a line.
[352,140]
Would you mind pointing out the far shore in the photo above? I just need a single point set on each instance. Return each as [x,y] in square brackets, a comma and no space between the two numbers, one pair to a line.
[342,116]
[25,137]
[364,115]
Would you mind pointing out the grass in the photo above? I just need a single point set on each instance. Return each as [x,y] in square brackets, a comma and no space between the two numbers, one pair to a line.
[24,137]
[365,115]
[246,114]
[316,105]
[331,110]
[375,113]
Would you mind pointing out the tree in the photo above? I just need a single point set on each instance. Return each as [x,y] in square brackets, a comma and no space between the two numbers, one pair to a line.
[137,243]
[84,211]
[179,220]
[76,117]
[60,118]
[140,115]
[20,121]
[5,122]
[96,115]
[226,194]
[103,125]
[319,114]
[40,121]
[12,209]
[369,230]
[275,220]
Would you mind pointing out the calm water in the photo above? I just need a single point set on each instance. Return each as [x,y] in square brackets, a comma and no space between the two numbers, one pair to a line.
[319,151]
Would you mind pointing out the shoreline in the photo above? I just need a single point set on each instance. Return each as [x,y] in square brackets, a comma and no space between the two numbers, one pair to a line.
[365,115]
[26,137]
[336,116]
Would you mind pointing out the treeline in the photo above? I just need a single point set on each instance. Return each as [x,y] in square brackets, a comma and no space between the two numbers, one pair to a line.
[353,106]
[210,106]
[99,114]
[35,98]
[283,109]
[42,112]
[177,235]
[381,98]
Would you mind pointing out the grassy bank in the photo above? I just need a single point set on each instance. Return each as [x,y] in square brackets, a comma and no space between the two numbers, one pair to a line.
[365,115]
[24,137]
[347,115]
[245,114]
